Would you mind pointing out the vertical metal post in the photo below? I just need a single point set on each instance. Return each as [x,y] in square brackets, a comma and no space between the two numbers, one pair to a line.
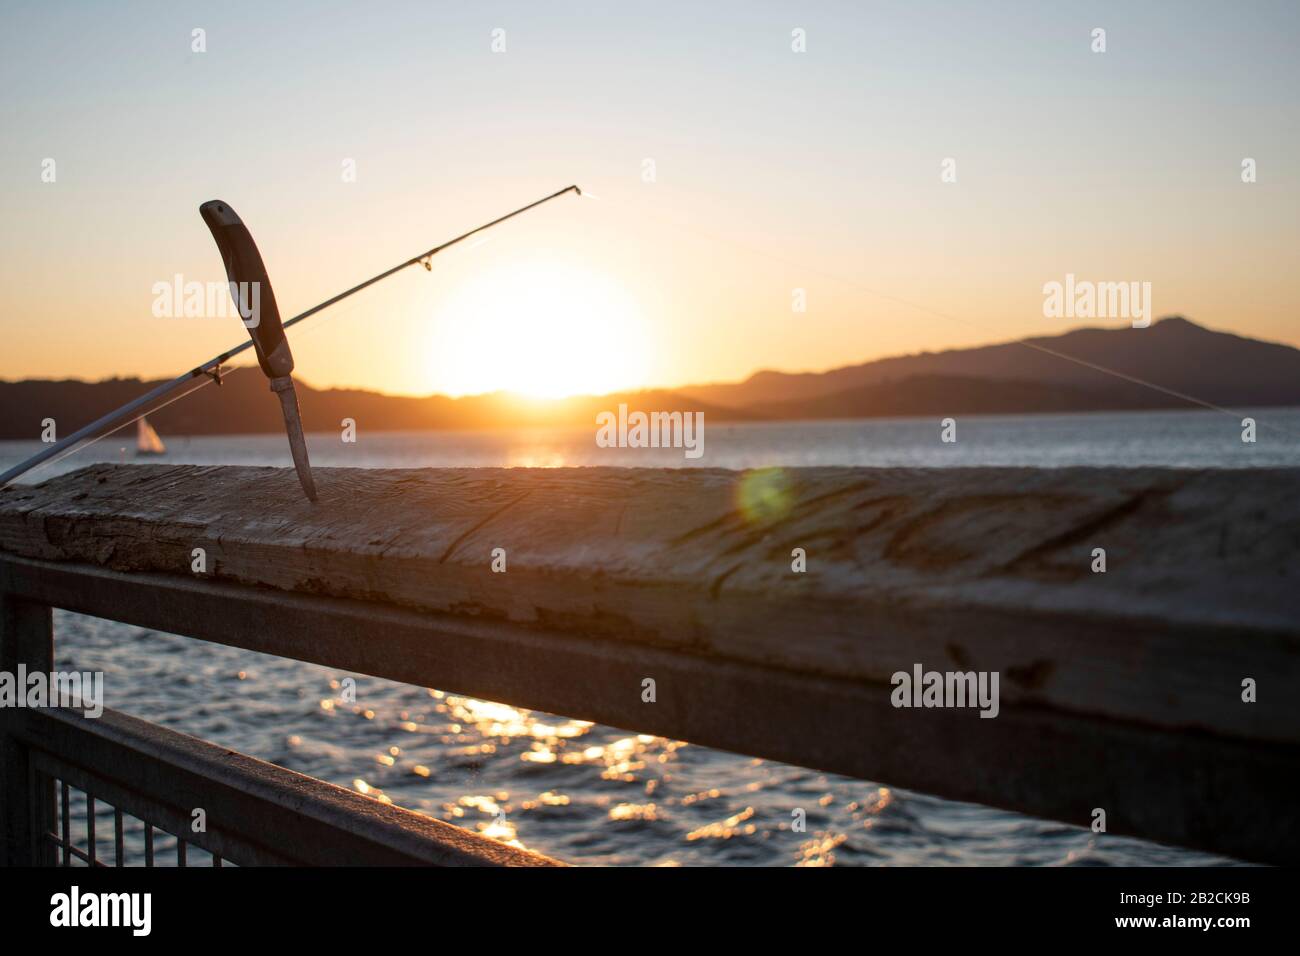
[26,800]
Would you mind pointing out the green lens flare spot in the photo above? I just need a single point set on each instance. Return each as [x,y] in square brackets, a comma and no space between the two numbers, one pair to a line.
[765,495]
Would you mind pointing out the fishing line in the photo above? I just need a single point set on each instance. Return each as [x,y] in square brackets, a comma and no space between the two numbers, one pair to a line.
[348,310]
[226,372]
[212,367]
[87,443]
[966,323]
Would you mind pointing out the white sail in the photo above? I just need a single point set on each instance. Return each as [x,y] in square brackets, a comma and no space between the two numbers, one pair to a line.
[147,441]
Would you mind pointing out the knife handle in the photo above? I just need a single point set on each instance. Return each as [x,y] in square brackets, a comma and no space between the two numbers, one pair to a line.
[249,283]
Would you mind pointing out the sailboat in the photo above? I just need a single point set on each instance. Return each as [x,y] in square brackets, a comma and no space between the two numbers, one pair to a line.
[147,441]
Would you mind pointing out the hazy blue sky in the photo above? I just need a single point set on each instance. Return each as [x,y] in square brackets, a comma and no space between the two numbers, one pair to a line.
[775,170]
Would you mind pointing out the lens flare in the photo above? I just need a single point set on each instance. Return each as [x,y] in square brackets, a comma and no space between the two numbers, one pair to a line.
[764,495]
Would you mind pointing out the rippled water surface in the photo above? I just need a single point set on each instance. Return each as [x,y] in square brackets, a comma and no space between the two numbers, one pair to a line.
[588,793]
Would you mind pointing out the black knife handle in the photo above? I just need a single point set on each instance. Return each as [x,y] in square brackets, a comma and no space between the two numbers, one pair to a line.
[244,267]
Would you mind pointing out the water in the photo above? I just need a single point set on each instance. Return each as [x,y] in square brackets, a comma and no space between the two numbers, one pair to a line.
[587,793]
[1193,439]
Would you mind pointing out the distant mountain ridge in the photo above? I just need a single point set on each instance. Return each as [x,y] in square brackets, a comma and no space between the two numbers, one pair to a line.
[1174,353]
[245,405]
[1007,378]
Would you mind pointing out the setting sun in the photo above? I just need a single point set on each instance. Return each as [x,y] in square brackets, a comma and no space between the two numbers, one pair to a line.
[544,329]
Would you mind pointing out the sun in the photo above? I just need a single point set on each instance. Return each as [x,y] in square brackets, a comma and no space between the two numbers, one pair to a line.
[541,328]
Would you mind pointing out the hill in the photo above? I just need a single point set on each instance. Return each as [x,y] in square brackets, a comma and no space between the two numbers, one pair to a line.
[1174,353]
[1012,377]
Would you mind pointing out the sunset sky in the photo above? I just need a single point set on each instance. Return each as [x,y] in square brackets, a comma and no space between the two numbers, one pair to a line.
[775,170]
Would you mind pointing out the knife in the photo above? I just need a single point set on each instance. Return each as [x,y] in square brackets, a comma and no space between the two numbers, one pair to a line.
[250,287]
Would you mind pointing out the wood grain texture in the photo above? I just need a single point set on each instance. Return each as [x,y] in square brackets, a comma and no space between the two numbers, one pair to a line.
[956,569]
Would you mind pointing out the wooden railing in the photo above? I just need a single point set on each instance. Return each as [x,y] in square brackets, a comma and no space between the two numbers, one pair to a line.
[1162,690]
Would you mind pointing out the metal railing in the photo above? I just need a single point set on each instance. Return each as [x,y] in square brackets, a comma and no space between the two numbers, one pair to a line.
[63,772]
[130,837]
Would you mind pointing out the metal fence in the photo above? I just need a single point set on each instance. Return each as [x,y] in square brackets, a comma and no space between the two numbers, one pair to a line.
[116,790]
[91,832]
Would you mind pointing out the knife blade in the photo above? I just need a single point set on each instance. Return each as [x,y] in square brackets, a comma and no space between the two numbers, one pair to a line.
[250,288]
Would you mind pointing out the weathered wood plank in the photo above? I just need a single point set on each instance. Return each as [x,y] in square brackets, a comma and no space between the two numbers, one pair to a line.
[970,569]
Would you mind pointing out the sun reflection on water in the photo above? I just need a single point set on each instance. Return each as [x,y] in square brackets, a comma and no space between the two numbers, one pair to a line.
[465,730]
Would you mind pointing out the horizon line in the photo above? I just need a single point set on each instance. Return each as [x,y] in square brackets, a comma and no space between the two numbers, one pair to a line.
[663,388]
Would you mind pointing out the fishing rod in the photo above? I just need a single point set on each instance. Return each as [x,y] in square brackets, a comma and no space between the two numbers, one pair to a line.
[212,367]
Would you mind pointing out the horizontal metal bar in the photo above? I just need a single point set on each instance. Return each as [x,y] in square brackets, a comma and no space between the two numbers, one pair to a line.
[1185,788]
[256,812]
[152,810]
[76,851]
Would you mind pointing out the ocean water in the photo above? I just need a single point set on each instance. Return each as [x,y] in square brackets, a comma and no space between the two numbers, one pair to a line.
[591,794]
